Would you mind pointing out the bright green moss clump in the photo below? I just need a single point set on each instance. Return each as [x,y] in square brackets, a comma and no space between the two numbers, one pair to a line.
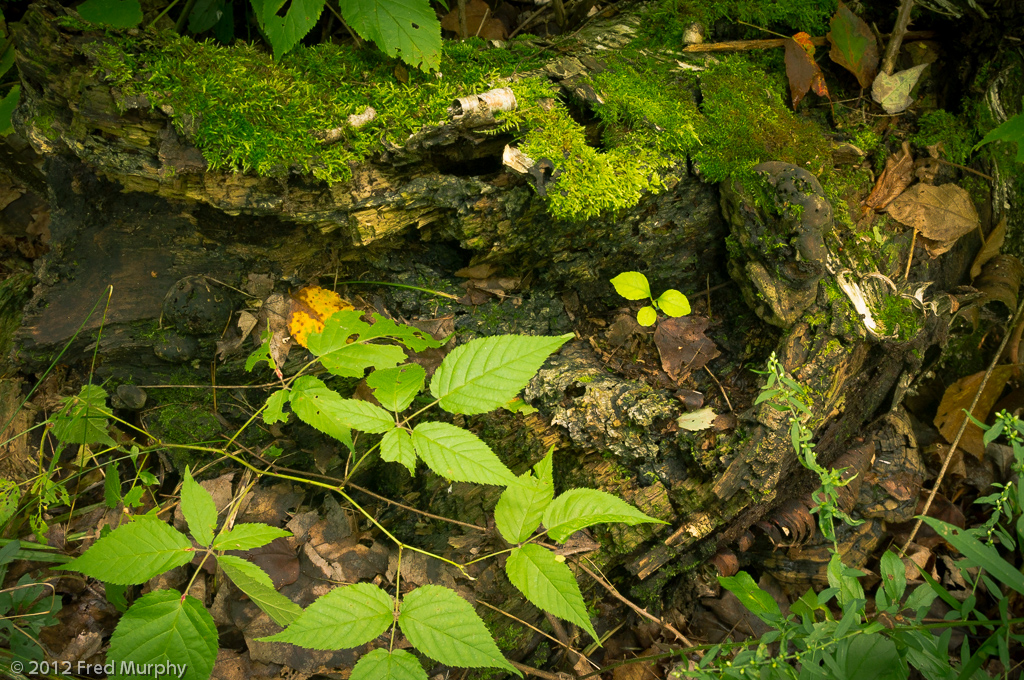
[942,126]
[248,113]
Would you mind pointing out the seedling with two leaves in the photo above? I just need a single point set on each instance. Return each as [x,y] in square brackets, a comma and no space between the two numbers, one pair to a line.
[634,286]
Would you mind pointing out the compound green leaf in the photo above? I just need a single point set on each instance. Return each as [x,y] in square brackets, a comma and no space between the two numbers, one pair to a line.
[646,316]
[164,628]
[443,626]
[397,447]
[319,406]
[548,583]
[410,336]
[1010,131]
[274,412]
[135,553]
[10,496]
[115,13]
[7,106]
[352,361]
[248,536]
[380,664]
[111,489]
[407,29]
[284,32]
[580,508]
[545,468]
[521,507]
[341,329]
[459,455]
[345,617]
[673,303]
[199,510]
[83,418]
[395,388]
[632,286]
[255,583]
[853,45]
[485,373]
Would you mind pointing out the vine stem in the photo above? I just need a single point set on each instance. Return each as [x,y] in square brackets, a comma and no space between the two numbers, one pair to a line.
[963,427]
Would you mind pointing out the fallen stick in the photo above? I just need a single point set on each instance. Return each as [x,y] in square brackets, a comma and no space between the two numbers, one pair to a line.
[768,43]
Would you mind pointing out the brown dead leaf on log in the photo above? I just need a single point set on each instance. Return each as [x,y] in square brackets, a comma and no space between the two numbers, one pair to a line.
[958,398]
[897,176]
[940,214]
[683,346]
[991,248]
[480,21]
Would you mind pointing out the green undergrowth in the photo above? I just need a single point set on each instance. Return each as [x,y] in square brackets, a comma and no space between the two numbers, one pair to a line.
[666,22]
[248,113]
[954,132]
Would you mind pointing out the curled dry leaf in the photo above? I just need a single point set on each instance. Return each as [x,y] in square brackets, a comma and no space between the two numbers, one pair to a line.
[940,213]
[991,248]
[897,176]
[958,398]
[893,92]
[801,69]
[1000,280]
[853,45]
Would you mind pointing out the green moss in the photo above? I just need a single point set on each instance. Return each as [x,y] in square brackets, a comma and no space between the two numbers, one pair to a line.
[942,126]
[666,21]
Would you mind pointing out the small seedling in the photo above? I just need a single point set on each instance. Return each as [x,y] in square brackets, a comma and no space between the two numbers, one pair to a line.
[634,286]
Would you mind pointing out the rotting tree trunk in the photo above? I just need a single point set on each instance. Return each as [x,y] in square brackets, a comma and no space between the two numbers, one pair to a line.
[133,206]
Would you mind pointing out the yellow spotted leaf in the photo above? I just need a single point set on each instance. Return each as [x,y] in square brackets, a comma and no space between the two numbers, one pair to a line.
[309,309]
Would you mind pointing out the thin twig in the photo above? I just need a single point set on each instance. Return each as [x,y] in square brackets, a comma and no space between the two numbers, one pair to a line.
[529,670]
[520,621]
[963,427]
[910,257]
[769,43]
[964,167]
[720,389]
[899,31]
[526,22]
[463,29]
[482,22]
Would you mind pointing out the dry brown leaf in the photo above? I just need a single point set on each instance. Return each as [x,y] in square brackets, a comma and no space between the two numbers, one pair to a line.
[801,69]
[991,248]
[1000,280]
[958,398]
[897,176]
[639,671]
[683,346]
[477,13]
[940,213]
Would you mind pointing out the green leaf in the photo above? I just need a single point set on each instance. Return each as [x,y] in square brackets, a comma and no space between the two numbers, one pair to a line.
[164,628]
[111,488]
[345,617]
[115,13]
[758,602]
[7,60]
[978,554]
[521,508]
[353,361]
[694,421]
[894,576]
[10,496]
[548,583]
[7,106]
[83,418]
[248,536]
[871,657]
[443,626]
[485,373]
[545,468]
[205,15]
[397,447]
[853,45]
[632,286]
[199,510]
[133,499]
[320,406]
[395,388]
[380,664]
[842,577]
[255,583]
[646,316]
[459,455]
[1010,131]
[135,553]
[274,412]
[580,508]
[410,336]
[407,29]
[673,303]
[284,32]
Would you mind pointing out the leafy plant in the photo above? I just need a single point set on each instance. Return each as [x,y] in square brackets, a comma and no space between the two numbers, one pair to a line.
[1010,131]
[634,286]
[24,610]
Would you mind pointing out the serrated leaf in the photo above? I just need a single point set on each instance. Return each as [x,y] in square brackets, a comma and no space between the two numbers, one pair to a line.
[694,421]
[274,412]
[646,316]
[248,537]
[545,468]
[284,32]
[580,508]
[521,507]
[135,553]
[549,584]
[1010,131]
[111,489]
[83,418]
[673,303]
[397,447]
[255,583]
[485,373]
[459,455]
[410,336]
[199,510]
[407,29]
[853,45]
[114,13]
[632,286]
[353,361]
[380,664]
[395,388]
[443,626]
[345,617]
[323,408]
[164,628]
